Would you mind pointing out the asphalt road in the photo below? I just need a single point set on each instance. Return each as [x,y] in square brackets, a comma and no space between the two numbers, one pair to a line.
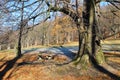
[109,47]
[68,51]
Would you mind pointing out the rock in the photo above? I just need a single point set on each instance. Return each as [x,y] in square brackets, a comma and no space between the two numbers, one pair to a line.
[46,56]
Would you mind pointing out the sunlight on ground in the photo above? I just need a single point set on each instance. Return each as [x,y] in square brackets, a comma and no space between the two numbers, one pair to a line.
[29,68]
[48,70]
[46,46]
[110,41]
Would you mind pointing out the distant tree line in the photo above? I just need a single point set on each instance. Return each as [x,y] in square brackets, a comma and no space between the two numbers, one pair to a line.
[60,31]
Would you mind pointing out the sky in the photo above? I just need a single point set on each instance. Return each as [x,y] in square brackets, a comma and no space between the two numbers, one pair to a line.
[103,3]
[30,9]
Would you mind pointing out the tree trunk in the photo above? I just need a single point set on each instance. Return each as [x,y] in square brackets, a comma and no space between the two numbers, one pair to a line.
[8,46]
[68,37]
[20,33]
[0,47]
[19,44]
[57,38]
[89,42]
[28,43]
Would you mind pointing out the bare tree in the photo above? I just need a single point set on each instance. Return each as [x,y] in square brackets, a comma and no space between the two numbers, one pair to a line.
[87,23]
[21,31]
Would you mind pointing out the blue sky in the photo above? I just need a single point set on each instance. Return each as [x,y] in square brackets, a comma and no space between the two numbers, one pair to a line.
[103,3]
[30,9]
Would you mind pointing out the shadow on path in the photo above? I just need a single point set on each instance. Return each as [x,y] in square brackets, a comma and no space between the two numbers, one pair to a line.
[112,55]
[7,66]
[103,70]
[30,50]
[66,52]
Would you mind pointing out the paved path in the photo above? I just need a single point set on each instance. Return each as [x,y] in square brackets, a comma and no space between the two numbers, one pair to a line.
[69,51]
[109,47]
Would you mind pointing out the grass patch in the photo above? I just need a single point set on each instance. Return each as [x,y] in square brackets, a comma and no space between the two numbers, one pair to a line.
[110,42]
[39,46]
[7,54]
[7,51]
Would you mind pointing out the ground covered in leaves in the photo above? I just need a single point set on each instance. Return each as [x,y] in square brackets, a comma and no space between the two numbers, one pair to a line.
[32,67]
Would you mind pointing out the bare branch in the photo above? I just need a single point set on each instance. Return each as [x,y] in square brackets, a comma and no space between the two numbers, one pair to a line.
[105,37]
[115,5]
[113,1]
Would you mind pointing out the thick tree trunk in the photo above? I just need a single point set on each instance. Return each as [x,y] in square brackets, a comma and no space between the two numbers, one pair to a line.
[19,45]
[89,43]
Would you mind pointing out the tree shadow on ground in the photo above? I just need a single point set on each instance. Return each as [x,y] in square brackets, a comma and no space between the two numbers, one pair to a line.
[103,70]
[2,59]
[66,52]
[99,68]
[112,55]
[113,64]
[7,66]
[30,50]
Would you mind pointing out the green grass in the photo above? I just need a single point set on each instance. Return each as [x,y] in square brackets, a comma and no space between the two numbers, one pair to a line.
[5,54]
[110,42]
[38,46]
[7,51]
[57,45]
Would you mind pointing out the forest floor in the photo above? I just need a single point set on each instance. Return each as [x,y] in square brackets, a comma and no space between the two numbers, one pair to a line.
[31,67]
